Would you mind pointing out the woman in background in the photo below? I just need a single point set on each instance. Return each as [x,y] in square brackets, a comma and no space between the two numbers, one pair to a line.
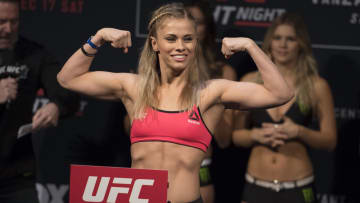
[279,167]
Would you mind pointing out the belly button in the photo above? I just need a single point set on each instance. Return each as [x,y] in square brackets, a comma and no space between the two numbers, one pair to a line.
[273,160]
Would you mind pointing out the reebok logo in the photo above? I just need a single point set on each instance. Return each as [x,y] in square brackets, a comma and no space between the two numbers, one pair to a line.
[194,116]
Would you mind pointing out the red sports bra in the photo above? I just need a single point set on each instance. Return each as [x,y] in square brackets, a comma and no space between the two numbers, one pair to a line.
[180,127]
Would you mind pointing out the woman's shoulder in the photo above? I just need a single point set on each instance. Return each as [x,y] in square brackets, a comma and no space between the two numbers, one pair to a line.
[128,80]
[131,77]
[320,84]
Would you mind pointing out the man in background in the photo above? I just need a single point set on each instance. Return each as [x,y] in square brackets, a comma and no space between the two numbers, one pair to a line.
[25,67]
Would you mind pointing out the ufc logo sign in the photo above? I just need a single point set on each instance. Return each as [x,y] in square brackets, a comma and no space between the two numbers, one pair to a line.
[99,196]
[102,184]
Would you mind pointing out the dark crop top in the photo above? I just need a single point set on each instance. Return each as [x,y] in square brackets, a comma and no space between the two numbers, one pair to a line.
[180,127]
[259,116]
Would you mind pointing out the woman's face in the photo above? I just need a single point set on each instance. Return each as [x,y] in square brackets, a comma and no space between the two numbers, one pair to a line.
[200,21]
[284,45]
[175,43]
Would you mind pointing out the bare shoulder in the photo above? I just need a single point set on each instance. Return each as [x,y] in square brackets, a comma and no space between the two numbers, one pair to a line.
[322,90]
[216,83]
[215,87]
[128,81]
[116,79]
[130,78]
[320,85]
[212,86]
[210,93]
[249,77]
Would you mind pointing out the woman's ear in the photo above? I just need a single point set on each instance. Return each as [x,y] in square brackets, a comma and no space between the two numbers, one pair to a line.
[154,44]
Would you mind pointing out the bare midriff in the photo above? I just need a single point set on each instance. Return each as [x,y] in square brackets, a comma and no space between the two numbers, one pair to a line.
[181,162]
[290,162]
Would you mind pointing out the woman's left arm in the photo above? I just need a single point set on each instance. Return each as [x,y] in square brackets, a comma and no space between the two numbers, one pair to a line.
[274,92]
[326,137]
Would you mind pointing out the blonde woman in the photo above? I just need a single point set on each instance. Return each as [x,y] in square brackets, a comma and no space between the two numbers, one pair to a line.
[172,106]
[279,167]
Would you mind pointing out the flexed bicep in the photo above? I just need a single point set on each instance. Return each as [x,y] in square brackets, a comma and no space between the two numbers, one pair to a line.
[75,74]
[248,95]
[99,84]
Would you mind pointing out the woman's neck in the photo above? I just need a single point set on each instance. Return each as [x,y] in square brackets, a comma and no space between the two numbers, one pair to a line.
[288,72]
[286,69]
[172,79]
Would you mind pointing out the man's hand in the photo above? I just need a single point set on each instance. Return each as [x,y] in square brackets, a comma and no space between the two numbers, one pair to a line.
[46,116]
[8,89]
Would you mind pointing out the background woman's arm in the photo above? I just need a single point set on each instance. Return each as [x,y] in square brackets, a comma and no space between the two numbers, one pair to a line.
[326,137]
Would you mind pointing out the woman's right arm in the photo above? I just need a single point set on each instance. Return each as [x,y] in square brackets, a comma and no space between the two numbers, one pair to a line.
[242,135]
[75,73]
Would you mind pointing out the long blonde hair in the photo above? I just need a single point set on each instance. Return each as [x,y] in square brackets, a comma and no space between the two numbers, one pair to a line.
[149,70]
[306,67]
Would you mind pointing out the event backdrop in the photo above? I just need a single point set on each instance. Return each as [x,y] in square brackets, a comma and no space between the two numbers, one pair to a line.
[95,135]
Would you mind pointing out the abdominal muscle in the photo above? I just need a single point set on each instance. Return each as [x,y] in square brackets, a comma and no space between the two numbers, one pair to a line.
[181,162]
[290,162]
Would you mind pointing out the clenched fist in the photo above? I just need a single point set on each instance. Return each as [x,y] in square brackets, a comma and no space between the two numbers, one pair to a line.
[231,45]
[117,38]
